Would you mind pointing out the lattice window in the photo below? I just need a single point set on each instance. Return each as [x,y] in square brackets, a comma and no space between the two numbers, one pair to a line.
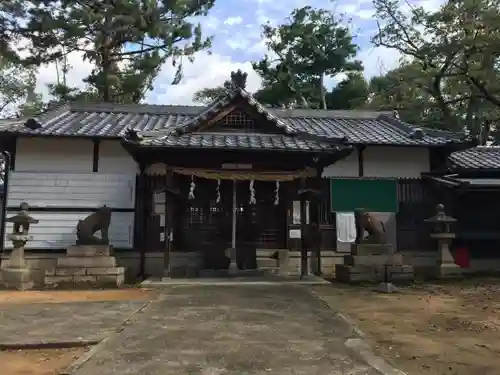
[238,119]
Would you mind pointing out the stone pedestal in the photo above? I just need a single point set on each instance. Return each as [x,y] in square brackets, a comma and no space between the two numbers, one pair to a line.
[283,260]
[368,263]
[233,267]
[86,264]
[446,266]
[17,278]
[17,275]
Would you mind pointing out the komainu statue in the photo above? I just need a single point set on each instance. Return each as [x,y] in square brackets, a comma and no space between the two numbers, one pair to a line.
[375,229]
[98,221]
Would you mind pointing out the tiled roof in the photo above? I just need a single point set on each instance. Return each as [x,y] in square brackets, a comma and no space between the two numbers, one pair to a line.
[481,157]
[113,120]
[240,141]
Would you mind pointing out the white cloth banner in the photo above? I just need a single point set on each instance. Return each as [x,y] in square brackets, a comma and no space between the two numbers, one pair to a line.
[346,227]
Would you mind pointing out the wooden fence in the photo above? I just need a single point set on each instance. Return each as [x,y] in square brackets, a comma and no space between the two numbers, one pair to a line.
[416,202]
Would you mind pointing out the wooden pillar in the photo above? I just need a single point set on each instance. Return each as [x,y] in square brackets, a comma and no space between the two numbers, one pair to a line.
[143,217]
[315,220]
[361,166]
[95,156]
[304,270]
[167,230]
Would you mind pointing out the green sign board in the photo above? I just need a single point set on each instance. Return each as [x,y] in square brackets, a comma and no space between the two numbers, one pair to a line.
[373,195]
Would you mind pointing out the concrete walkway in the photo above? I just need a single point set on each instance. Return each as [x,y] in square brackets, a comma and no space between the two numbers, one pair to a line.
[61,324]
[228,329]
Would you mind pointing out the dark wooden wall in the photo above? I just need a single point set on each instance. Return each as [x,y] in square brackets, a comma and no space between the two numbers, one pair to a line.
[202,223]
[416,202]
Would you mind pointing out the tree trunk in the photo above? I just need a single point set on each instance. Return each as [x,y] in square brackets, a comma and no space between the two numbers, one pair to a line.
[322,91]
[106,67]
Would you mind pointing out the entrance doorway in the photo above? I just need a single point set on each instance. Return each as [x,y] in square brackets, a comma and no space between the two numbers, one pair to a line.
[210,227]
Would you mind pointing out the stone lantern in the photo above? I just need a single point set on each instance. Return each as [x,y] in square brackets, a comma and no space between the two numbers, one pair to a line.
[444,236]
[17,275]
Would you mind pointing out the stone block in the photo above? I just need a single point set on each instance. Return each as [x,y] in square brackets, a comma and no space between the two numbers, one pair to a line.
[105,271]
[17,278]
[84,262]
[402,276]
[70,271]
[84,279]
[346,274]
[88,250]
[284,261]
[117,280]
[54,280]
[375,260]
[448,270]
[50,272]
[369,249]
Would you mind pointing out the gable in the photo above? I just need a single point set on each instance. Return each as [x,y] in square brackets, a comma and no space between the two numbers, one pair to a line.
[238,117]
[236,112]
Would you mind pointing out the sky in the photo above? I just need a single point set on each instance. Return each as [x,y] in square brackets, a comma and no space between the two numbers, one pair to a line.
[235,26]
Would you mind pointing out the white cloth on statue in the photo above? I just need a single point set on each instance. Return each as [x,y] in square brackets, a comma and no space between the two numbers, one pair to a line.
[346,227]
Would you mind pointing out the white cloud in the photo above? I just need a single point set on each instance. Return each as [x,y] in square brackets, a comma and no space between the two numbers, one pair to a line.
[378,60]
[79,69]
[211,22]
[233,20]
[205,71]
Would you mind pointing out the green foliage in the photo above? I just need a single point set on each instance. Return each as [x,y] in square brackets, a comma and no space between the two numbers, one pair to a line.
[453,57]
[127,40]
[350,93]
[17,85]
[209,95]
[311,45]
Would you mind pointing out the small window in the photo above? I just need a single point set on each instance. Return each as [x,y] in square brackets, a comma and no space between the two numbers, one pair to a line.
[238,119]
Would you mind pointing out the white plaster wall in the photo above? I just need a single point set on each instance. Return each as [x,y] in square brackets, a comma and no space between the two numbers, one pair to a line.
[54,155]
[72,155]
[383,161]
[403,162]
[114,159]
[347,167]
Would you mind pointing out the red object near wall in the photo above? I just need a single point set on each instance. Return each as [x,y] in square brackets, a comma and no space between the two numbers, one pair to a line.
[462,258]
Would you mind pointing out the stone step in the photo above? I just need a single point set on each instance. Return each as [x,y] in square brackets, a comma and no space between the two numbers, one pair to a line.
[344,272]
[376,260]
[266,262]
[369,249]
[116,280]
[88,250]
[91,271]
[86,262]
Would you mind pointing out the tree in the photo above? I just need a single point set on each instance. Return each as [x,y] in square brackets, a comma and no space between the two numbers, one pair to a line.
[126,40]
[401,89]
[209,95]
[312,45]
[453,53]
[17,85]
[350,93]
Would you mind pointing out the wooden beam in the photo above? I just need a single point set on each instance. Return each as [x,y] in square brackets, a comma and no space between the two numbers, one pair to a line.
[223,113]
[95,157]
[361,166]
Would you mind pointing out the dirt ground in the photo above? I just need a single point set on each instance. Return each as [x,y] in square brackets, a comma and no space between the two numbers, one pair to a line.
[38,362]
[451,328]
[51,361]
[61,296]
